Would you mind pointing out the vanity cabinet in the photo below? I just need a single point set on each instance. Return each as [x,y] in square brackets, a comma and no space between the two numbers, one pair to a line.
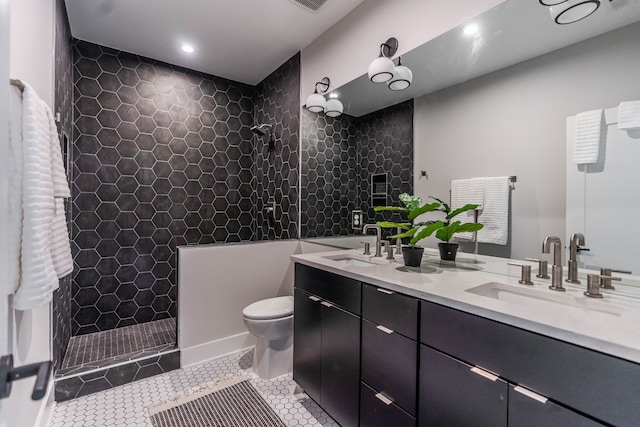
[453,393]
[326,346]
[389,357]
[570,382]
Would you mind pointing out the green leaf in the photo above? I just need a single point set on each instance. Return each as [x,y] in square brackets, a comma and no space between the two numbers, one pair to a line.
[390,208]
[445,207]
[409,233]
[426,231]
[447,232]
[428,207]
[469,227]
[389,224]
[411,202]
[467,207]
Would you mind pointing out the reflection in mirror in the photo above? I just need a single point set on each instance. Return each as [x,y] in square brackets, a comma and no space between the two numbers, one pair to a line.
[497,121]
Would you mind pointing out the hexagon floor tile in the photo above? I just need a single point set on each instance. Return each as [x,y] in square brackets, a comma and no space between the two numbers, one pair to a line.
[126,405]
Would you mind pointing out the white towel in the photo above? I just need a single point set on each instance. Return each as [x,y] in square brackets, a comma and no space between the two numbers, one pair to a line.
[60,242]
[460,193]
[629,115]
[495,213]
[14,227]
[588,132]
[476,193]
[45,248]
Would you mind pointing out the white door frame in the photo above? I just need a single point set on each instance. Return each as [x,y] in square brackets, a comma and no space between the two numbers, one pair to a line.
[5,313]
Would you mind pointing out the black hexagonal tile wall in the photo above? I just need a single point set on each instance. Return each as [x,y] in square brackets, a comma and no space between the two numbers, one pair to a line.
[277,103]
[339,155]
[145,142]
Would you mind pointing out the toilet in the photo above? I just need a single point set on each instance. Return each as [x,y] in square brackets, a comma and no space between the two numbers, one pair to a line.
[271,322]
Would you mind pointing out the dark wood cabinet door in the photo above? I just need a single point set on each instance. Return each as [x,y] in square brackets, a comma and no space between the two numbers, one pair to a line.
[525,411]
[340,366]
[451,394]
[376,412]
[307,341]
[389,365]
[391,309]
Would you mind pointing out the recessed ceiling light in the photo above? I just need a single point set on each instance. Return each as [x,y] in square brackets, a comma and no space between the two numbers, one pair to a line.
[187,48]
[333,95]
[471,29]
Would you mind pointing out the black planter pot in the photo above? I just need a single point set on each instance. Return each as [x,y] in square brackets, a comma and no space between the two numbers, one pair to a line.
[448,251]
[412,256]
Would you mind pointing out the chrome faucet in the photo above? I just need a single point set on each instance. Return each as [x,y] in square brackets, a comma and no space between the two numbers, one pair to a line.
[576,240]
[376,227]
[556,270]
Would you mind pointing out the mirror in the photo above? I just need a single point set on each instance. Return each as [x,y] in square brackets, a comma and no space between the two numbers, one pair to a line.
[474,117]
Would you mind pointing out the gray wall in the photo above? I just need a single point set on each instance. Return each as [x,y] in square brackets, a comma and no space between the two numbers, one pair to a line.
[512,122]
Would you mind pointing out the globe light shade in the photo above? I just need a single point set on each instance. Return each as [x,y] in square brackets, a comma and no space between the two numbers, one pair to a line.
[402,77]
[316,103]
[551,2]
[381,69]
[573,10]
[334,107]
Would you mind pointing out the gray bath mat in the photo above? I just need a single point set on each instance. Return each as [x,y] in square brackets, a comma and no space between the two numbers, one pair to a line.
[233,404]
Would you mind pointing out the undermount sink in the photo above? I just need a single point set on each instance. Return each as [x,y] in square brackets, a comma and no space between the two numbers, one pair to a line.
[351,260]
[548,301]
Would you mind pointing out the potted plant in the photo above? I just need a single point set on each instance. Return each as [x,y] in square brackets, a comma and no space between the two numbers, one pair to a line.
[416,231]
[446,231]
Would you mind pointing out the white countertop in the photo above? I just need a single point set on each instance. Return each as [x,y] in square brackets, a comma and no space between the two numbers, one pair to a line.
[610,325]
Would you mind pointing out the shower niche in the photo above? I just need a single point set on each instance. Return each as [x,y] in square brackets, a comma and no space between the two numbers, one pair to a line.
[379,190]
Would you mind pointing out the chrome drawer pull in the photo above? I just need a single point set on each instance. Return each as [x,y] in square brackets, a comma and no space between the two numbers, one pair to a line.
[385,291]
[326,304]
[488,375]
[312,298]
[384,399]
[535,396]
[385,330]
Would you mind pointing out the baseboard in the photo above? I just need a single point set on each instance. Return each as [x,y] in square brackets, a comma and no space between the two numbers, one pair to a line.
[213,349]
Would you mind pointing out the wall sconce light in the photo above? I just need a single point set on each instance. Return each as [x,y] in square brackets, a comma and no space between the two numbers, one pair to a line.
[334,107]
[402,77]
[383,70]
[570,11]
[317,103]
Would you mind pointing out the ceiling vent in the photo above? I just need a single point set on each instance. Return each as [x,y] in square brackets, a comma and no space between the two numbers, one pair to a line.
[311,5]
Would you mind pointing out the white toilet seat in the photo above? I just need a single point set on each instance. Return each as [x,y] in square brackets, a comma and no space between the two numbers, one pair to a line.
[271,308]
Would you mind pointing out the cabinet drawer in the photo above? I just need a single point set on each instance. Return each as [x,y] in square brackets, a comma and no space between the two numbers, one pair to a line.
[527,412]
[451,394]
[390,309]
[340,290]
[377,413]
[389,365]
[594,383]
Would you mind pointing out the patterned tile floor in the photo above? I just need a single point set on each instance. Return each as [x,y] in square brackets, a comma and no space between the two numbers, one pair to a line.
[126,405]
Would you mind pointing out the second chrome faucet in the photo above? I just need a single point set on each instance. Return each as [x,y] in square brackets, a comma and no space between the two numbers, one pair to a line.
[556,269]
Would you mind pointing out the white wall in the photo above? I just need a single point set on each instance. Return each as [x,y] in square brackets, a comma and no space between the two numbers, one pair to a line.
[32,31]
[344,52]
[30,58]
[512,122]
[216,282]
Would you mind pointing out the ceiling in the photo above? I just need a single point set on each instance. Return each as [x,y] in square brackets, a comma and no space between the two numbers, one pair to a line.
[510,33]
[241,40]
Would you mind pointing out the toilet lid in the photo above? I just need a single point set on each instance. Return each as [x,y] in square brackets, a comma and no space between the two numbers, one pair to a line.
[272,308]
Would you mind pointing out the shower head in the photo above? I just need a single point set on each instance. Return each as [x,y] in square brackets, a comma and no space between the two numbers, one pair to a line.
[261,129]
